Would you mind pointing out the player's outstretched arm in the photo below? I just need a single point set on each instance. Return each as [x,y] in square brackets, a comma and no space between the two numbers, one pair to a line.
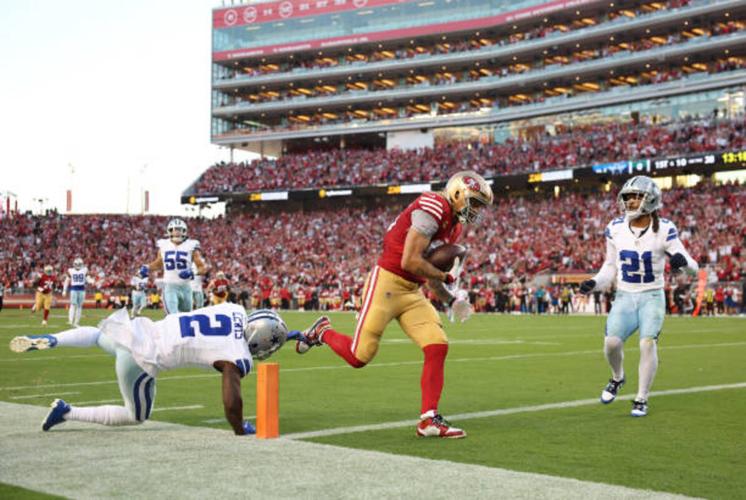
[156,265]
[413,257]
[232,402]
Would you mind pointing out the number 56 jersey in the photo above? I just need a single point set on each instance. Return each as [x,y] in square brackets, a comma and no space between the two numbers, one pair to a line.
[637,257]
[195,339]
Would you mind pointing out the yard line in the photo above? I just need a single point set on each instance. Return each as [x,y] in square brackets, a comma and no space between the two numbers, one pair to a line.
[222,420]
[46,358]
[504,411]
[97,402]
[170,408]
[32,396]
[383,365]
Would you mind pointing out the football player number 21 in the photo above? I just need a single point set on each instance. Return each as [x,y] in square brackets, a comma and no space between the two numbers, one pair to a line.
[631,272]
[174,259]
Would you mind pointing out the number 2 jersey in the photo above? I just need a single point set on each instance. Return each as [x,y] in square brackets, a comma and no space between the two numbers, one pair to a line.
[176,258]
[637,256]
[195,339]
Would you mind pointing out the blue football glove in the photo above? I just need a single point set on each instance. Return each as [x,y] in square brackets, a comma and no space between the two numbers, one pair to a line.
[186,274]
[587,286]
[295,335]
[248,428]
[144,271]
[677,261]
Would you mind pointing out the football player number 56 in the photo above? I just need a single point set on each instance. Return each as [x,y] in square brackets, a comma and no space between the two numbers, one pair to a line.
[174,259]
[631,266]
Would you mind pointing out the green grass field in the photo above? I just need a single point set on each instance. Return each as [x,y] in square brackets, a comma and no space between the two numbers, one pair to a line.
[693,442]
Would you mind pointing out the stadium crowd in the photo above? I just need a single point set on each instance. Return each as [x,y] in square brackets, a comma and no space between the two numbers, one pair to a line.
[328,251]
[565,146]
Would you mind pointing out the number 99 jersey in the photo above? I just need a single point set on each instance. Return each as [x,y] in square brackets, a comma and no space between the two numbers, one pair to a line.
[176,258]
[638,256]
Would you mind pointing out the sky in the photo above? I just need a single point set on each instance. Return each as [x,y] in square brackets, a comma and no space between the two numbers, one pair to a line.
[107,99]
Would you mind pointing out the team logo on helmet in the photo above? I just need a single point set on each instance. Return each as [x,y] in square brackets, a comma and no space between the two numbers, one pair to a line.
[230,17]
[472,183]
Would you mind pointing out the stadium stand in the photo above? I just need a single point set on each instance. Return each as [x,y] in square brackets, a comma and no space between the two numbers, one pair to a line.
[326,252]
[529,151]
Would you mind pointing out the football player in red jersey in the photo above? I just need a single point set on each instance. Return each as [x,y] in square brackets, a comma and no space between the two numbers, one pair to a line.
[392,291]
[44,287]
[219,287]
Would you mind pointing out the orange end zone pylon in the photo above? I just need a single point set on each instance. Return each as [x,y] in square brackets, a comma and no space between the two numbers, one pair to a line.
[268,401]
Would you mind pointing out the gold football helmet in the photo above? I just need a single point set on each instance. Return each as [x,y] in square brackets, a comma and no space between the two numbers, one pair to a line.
[468,192]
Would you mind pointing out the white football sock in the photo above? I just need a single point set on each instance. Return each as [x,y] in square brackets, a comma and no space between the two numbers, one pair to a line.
[78,313]
[71,314]
[84,336]
[648,367]
[614,351]
[105,415]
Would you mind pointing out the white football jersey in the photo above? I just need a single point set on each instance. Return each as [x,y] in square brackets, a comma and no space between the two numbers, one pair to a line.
[139,284]
[196,282]
[77,278]
[637,257]
[195,339]
[176,258]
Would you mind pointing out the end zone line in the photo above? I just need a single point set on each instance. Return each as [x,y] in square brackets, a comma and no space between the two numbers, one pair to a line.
[504,411]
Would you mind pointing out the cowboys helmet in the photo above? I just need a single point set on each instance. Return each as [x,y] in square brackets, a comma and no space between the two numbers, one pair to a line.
[265,332]
[473,189]
[176,230]
[647,188]
[78,263]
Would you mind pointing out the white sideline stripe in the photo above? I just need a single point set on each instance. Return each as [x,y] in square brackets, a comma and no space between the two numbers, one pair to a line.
[55,394]
[380,365]
[504,411]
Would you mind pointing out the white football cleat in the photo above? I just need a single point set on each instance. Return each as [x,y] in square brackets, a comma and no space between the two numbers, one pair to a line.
[434,425]
[639,408]
[32,343]
[609,393]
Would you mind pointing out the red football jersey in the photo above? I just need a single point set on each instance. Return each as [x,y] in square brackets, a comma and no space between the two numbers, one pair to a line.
[449,229]
[46,283]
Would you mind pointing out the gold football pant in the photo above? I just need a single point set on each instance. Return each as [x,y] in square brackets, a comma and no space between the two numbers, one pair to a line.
[43,300]
[387,296]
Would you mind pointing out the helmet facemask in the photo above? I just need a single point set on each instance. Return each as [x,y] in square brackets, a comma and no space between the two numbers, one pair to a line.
[265,333]
[472,191]
[177,230]
[648,192]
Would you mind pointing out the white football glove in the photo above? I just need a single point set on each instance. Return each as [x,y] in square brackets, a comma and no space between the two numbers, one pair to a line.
[455,272]
[461,308]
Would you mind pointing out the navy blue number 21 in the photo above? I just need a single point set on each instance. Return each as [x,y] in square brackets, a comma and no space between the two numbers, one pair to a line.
[631,266]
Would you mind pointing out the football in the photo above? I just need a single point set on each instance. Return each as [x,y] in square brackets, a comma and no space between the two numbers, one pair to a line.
[443,256]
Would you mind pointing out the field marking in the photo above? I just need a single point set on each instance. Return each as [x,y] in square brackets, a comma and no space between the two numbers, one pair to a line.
[503,411]
[222,420]
[507,357]
[45,358]
[461,341]
[140,451]
[180,408]
[55,394]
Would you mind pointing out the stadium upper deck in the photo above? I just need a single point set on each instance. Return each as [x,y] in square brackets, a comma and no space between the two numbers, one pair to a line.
[368,72]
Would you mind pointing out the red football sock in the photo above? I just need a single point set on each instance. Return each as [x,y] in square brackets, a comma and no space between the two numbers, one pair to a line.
[342,345]
[46,314]
[432,376]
